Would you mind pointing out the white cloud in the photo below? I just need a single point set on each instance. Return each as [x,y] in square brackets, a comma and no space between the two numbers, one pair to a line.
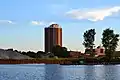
[38,23]
[6,22]
[42,23]
[93,15]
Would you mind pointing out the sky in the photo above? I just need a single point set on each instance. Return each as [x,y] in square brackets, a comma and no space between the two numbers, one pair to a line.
[22,22]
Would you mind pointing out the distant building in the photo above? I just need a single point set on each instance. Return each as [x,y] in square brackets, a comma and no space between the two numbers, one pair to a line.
[53,36]
[75,54]
[99,51]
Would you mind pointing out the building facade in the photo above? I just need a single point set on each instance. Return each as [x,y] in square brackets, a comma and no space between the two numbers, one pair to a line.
[75,54]
[100,51]
[53,36]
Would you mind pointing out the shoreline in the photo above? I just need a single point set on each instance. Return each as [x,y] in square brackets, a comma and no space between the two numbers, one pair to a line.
[54,61]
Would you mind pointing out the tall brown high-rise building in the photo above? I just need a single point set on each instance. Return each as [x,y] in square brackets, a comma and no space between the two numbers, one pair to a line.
[53,36]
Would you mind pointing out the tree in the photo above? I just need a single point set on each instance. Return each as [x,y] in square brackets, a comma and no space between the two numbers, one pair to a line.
[24,53]
[16,51]
[65,52]
[11,49]
[110,42]
[31,54]
[60,51]
[56,50]
[89,38]
[39,54]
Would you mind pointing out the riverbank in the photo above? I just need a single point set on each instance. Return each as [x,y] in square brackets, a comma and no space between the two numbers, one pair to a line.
[61,61]
[37,61]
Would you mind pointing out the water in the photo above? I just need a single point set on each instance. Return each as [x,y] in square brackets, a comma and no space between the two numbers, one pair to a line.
[59,72]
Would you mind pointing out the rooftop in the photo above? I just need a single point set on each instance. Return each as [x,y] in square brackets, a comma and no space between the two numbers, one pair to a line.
[54,26]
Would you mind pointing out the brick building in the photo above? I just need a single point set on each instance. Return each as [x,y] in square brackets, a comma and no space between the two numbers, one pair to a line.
[53,36]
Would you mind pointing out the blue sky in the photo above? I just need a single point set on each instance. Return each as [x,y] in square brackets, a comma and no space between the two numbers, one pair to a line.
[22,22]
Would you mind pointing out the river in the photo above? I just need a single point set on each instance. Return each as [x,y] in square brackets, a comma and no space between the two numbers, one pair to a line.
[59,72]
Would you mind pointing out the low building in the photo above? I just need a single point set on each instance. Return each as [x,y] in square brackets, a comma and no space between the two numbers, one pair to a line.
[75,54]
[99,51]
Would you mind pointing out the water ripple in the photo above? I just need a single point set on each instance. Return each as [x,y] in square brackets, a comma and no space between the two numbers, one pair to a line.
[59,72]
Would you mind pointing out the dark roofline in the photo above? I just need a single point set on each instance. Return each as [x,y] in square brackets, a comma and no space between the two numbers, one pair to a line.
[54,26]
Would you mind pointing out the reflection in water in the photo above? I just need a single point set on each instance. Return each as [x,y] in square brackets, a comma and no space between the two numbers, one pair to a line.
[89,72]
[117,70]
[86,72]
[110,72]
[107,72]
[53,72]
[59,72]
[73,72]
[100,72]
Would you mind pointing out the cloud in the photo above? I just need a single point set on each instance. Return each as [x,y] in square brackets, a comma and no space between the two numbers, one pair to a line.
[42,23]
[38,23]
[93,15]
[6,22]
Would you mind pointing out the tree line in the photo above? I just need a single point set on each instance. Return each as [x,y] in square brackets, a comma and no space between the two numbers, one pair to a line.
[109,42]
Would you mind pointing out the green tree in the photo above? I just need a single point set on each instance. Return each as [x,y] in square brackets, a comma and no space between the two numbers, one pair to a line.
[110,42]
[89,38]
[56,50]
[31,54]
[39,53]
[60,51]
